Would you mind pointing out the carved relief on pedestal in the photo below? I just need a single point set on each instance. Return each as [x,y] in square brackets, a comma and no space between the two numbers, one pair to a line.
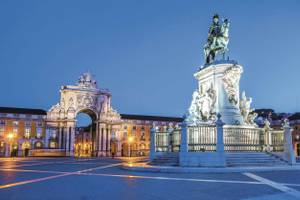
[202,108]
[231,83]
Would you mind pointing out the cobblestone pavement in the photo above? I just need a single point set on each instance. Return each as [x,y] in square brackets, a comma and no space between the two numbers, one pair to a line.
[102,178]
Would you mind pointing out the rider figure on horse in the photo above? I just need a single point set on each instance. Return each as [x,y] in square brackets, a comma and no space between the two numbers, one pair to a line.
[214,30]
[217,39]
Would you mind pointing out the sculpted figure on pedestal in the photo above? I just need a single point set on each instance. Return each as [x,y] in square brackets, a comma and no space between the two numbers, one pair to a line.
[202,106]
[245,105]
[194,110]
[246,111]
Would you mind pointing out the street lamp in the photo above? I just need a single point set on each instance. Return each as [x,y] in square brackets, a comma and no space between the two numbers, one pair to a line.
[130,140]
[10,137]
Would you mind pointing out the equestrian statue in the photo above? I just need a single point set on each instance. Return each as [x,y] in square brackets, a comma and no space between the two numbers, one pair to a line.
[217,41]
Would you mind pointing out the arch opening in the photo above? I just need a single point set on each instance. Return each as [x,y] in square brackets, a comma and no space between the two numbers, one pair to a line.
[85,133]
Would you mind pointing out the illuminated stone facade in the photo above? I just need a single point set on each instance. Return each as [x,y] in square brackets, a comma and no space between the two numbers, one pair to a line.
[83,97]
[21,130]
[110,133]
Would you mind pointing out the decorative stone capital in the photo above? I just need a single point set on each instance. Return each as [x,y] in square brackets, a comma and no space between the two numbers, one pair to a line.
[267,125]
[184,123]
[153,127]
[219,122]
[286,124]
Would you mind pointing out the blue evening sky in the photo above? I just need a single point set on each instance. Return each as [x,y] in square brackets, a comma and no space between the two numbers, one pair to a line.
[145,52]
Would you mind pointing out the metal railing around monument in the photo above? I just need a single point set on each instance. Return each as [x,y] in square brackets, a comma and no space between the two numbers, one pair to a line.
[166,141]
[238,138]
[202,138]
[277,140]
[161,141]
[175,140]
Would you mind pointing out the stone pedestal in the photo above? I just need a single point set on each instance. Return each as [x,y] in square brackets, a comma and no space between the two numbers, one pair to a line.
[218,92]
[288,153]
[152,143]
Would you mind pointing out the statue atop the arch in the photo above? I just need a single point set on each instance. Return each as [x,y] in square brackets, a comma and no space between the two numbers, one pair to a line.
[87,80]
[218,38]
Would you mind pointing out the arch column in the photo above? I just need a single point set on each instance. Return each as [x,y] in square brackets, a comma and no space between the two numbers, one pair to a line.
[119,147]
[70,137]
[97,139]
[102,144]
[108,137]
[59,137]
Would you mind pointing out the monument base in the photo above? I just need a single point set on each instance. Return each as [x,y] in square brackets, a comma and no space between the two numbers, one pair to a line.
[218,92]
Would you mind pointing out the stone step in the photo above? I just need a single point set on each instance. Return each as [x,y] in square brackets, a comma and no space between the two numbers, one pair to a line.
[159,160]
[168,156]
[255,164]
[259,160]
[252,159]
[261,157]
[166,160]
[162,158]
[165,164]
[247,155]
[256,157]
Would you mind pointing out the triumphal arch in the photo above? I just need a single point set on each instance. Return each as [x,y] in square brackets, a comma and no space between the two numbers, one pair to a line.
[83,97]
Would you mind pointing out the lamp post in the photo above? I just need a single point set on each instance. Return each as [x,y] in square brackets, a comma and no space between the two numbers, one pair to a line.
[10,137]
[130,140]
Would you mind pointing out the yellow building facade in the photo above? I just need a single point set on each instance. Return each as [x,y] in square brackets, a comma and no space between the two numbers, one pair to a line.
[21,130]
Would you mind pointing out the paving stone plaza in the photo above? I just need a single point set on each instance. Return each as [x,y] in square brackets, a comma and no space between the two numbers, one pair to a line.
[68,178]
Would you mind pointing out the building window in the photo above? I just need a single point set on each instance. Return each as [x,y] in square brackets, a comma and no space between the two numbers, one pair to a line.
[39,124]
[16,115]
[38,145]
[27,133]
[2,131]
[124,135]
[53,134]
[143,136]
[39,133]
[28,123]
[15,123]
[28,116]
[15,130]
[134,131]
[52,145]
[2,122]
